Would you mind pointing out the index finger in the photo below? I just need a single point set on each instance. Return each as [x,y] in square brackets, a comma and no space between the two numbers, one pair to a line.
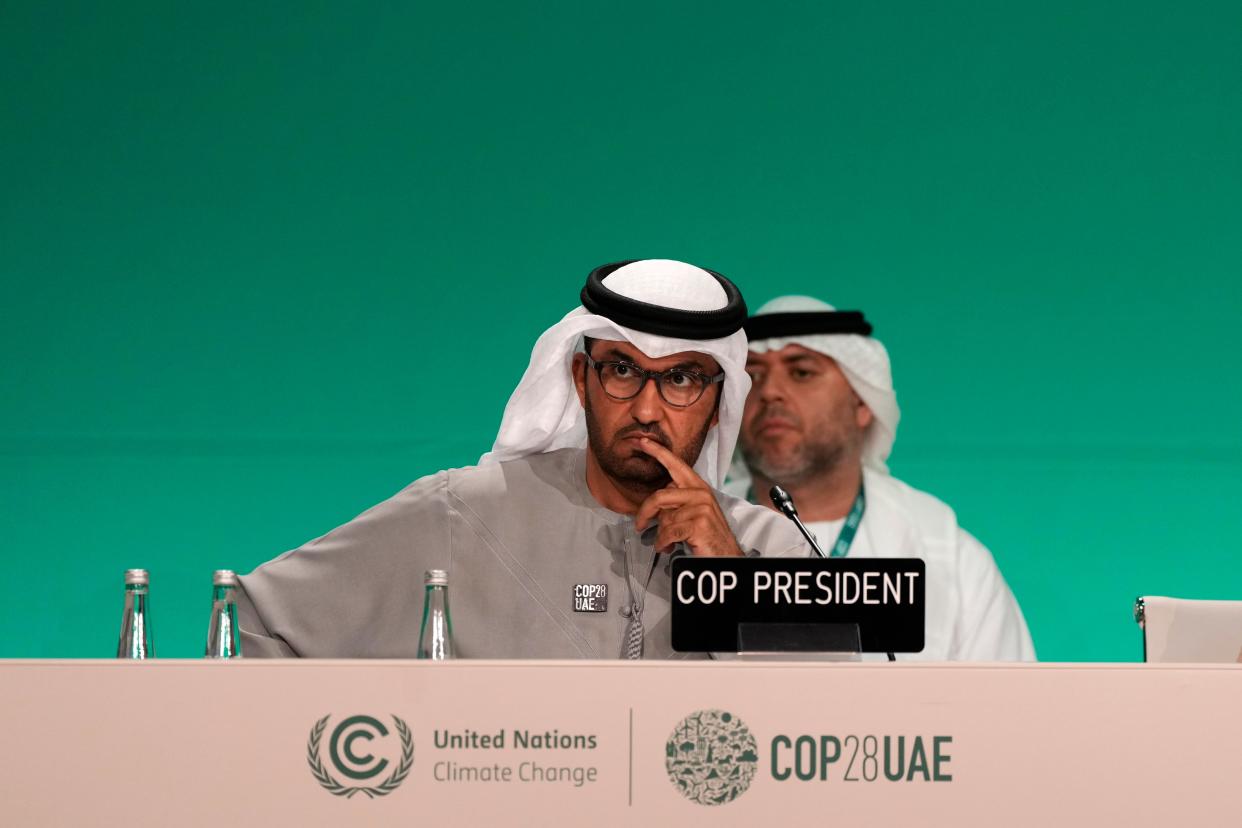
[682,475]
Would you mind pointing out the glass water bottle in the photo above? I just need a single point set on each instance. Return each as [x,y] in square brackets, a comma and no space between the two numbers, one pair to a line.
[223,636]
[435,638]
[136,639]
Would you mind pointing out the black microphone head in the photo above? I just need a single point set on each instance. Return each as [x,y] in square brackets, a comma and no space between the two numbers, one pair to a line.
[782,501]
[785,505]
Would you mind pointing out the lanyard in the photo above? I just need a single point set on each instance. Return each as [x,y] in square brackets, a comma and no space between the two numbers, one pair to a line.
[842,547]
[848,530]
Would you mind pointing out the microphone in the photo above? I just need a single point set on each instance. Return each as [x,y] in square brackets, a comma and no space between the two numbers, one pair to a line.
[785,505]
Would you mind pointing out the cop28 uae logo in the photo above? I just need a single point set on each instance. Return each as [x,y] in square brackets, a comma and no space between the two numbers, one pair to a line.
[711,757]
[343,756]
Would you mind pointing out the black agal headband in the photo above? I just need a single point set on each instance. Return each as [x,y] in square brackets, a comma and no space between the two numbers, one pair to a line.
[802,323]
[659,320]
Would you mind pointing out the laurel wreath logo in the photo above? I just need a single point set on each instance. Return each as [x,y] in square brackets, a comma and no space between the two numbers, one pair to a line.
[334,787]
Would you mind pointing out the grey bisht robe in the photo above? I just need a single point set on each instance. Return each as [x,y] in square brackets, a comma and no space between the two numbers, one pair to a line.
[516,538]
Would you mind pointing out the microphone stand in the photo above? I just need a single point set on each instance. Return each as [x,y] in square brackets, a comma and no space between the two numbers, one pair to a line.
[784,504]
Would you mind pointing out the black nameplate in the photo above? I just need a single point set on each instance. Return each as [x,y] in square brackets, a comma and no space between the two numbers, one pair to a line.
[874,605]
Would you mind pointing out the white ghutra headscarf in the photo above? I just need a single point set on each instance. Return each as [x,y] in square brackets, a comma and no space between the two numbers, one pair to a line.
[544,413]
[865,363]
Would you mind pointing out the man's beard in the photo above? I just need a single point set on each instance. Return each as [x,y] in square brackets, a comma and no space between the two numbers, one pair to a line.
[811,461]
[638,470]
[819,454]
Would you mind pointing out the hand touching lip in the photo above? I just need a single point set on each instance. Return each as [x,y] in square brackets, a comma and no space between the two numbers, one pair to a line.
[686,509]
[637,434]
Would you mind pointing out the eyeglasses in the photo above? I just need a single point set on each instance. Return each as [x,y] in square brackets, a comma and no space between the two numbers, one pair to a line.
[678,386]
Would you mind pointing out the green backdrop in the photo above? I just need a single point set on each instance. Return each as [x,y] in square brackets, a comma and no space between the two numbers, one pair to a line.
[263,266]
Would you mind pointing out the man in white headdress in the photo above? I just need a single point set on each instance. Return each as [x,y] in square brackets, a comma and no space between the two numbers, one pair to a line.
[820,422]
[609,457]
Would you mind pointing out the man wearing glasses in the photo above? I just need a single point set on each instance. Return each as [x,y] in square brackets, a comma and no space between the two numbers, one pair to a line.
[609,458]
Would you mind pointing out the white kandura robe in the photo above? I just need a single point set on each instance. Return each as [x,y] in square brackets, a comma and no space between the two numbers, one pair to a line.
[971,613]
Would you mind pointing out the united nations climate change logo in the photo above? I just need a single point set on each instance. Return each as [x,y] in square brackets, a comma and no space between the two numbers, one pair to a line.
[711,757]
[342,755]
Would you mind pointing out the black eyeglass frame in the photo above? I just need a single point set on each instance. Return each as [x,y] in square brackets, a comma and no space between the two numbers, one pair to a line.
[658,376]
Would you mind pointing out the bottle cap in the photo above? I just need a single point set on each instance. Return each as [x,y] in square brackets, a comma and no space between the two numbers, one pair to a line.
[224,577]
[137,576]
[436,577]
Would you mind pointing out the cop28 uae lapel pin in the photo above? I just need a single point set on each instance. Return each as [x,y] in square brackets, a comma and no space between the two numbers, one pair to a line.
[590,597]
